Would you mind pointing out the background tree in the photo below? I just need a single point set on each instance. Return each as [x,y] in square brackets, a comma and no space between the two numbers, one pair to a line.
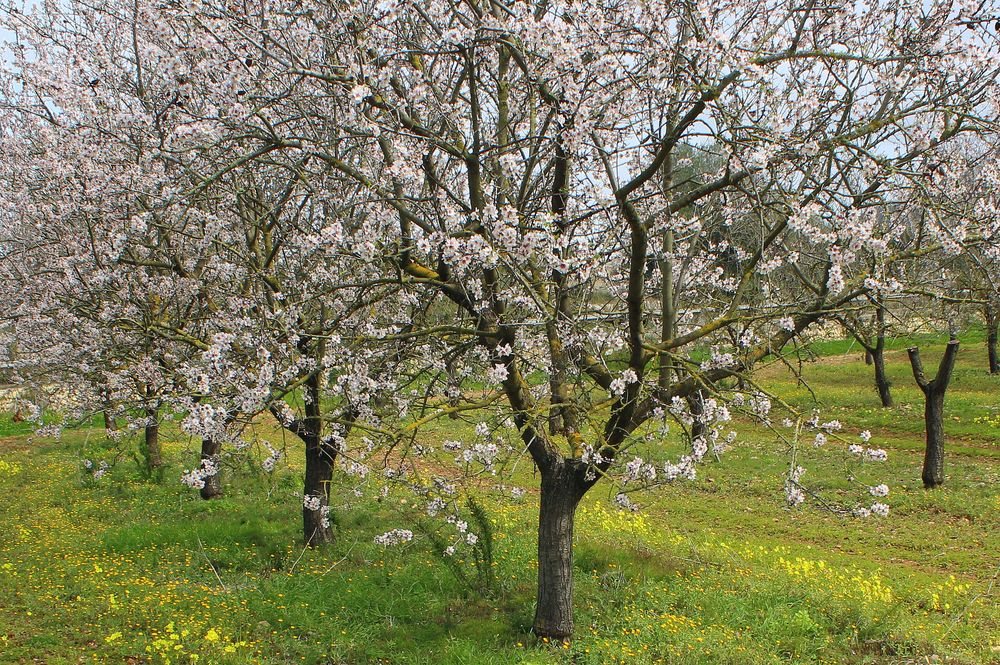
[870,333]
[933,390]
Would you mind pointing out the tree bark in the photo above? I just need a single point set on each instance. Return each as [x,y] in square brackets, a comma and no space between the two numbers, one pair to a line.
[320,456]
[562,488]
[316,528]
[882,382]
[668,313]
[453,384]
[992,326]
[213,484]
[696,404]
[153,452]
[877,353]
[562,416]
[933,469]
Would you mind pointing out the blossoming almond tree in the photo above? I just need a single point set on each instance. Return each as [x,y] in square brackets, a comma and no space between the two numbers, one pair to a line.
[970,183]
[291,341]
[99,251]
[526,152]
[522,172]
[86,297]
[244,287]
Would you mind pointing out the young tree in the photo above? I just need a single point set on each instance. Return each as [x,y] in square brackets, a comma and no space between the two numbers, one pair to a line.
[212,290]
[933,390]
[294,345]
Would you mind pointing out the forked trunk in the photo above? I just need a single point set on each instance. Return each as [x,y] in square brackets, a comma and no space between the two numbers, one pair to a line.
[151,444]
[562,488]
[933,471]
[210,455]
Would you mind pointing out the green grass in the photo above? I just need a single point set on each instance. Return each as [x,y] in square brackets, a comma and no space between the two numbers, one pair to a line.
[844,388]
[712,571]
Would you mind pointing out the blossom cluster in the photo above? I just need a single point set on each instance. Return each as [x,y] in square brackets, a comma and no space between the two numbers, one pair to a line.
[195,478]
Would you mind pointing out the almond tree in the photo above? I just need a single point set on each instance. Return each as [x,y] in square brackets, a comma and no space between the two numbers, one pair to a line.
[78,193]
[525,150]
[184,281]
[291,341]
[933,390]
[522,168]
[870,333]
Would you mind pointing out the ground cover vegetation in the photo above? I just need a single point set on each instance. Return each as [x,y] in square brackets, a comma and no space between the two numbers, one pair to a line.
[712,571]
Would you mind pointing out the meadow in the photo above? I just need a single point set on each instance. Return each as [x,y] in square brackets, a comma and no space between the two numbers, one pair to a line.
[718,570]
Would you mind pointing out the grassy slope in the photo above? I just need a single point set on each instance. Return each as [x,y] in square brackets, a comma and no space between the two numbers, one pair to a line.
[714,571]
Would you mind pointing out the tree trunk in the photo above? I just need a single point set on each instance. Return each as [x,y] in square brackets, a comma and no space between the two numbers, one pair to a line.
[213,484]
[877,354]
[153,452]
[882,383]
[320,455]
[869,357]
[668,310]
[696,404]
[933,470]
[991,349]
[561,420]
[316,528]
[992,326]
[562,489]
[110,424]
[453,384]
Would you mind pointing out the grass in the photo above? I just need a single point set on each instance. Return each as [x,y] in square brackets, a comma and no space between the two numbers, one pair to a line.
[712,571]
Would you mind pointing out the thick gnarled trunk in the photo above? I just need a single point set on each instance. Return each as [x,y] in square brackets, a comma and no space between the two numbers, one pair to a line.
[934,390]
[210,455]
[562,488]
